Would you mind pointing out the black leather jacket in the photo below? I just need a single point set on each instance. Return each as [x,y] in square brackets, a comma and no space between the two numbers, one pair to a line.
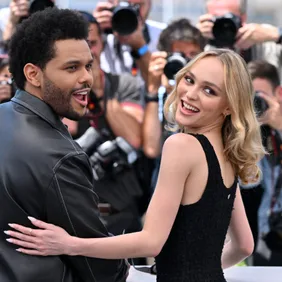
[45,174]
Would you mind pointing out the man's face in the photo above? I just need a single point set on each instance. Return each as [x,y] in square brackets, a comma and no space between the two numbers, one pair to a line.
[188,48]
[67,78]
[221,7]
[95,41]
[263,85]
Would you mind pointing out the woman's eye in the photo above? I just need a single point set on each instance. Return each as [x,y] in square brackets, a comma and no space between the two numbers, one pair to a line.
[189,79]
[209,91]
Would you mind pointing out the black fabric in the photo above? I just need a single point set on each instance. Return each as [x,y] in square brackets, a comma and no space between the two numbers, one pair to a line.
[193,249]
[45,174]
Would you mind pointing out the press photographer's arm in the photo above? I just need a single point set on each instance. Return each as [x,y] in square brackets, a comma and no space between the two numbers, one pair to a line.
[125,121]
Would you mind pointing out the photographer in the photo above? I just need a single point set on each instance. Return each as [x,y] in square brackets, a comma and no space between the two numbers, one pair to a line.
[225,26]
[19,10]
[6,89]
[129,36]
[178,43]
[268,103]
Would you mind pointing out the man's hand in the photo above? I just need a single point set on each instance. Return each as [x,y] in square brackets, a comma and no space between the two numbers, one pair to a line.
[18,9]
[156,70]
[273,115]
[103,14]
[252,33]
[205,25]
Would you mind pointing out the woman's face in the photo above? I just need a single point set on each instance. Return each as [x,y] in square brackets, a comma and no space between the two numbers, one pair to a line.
[201,97]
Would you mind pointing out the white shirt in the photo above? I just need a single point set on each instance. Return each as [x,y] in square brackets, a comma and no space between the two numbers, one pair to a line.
[117,62]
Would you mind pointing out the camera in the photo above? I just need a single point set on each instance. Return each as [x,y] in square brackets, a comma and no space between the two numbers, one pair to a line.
[107,157]
[260,104]
[175,62]
[125,18]
[225,30]
[38,5]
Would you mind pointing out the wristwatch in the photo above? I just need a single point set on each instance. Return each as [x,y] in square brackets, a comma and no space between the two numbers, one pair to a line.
[279,41]
[151,98]
[140,52]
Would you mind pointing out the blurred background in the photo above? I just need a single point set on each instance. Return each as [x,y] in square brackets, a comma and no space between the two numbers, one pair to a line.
[258,11]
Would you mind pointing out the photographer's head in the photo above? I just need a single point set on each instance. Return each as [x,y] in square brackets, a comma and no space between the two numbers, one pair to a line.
[221,7]
[214,93]
[181,36]
[182,41]
[94,39]
[222,22]
[6,89]
[51,59]
[268,93]
[265,78]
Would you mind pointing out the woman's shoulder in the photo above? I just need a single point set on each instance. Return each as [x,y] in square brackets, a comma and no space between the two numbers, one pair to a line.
[183,146]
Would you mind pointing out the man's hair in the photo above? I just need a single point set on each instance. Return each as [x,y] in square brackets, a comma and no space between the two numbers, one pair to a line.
[264,70]
[33,42]
[91,20]
[243,6]
[180,30]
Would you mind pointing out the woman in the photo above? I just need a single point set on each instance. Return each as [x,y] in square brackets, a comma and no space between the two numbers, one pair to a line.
[197,196]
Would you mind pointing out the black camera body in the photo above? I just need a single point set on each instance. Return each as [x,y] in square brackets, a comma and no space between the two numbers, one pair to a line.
[225,30]
[175,62]
[125,18]
[260,104]
[37,5]
[107,157]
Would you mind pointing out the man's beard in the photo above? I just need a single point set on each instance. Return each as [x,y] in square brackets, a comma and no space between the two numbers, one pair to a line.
[59,100]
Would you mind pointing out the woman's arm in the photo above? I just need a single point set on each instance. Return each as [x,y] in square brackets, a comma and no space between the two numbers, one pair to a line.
[180,154]
[241,244]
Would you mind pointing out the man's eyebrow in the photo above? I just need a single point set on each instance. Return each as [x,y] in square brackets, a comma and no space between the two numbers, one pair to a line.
[206,82]
[77,62]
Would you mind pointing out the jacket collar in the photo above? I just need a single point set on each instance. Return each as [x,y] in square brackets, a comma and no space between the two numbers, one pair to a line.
[40,108]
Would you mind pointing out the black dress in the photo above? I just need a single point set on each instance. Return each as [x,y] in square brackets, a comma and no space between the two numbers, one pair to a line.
[192,252]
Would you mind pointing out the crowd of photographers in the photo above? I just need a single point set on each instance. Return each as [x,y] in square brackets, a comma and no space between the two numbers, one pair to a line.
[133,71]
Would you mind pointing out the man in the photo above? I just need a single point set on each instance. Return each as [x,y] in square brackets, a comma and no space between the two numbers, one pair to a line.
[126,53]
[44,173]
[253,41]
[267,84]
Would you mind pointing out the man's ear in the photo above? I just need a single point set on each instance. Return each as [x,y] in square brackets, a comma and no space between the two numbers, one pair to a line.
[278,93]
[33,74]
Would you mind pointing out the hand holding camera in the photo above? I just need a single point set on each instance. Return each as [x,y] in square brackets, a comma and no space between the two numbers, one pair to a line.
[252,33]
[269,110]
[18,9]
[123,18]
[156,70]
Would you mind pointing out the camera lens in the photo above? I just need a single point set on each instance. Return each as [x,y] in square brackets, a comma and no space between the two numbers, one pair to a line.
[225,30]
[125,18]
[260,104]
[175,62]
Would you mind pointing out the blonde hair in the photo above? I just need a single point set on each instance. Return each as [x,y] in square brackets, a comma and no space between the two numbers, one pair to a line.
[240,131]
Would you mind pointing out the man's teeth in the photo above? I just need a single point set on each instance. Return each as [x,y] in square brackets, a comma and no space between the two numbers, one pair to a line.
[188,107]
[81,93]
